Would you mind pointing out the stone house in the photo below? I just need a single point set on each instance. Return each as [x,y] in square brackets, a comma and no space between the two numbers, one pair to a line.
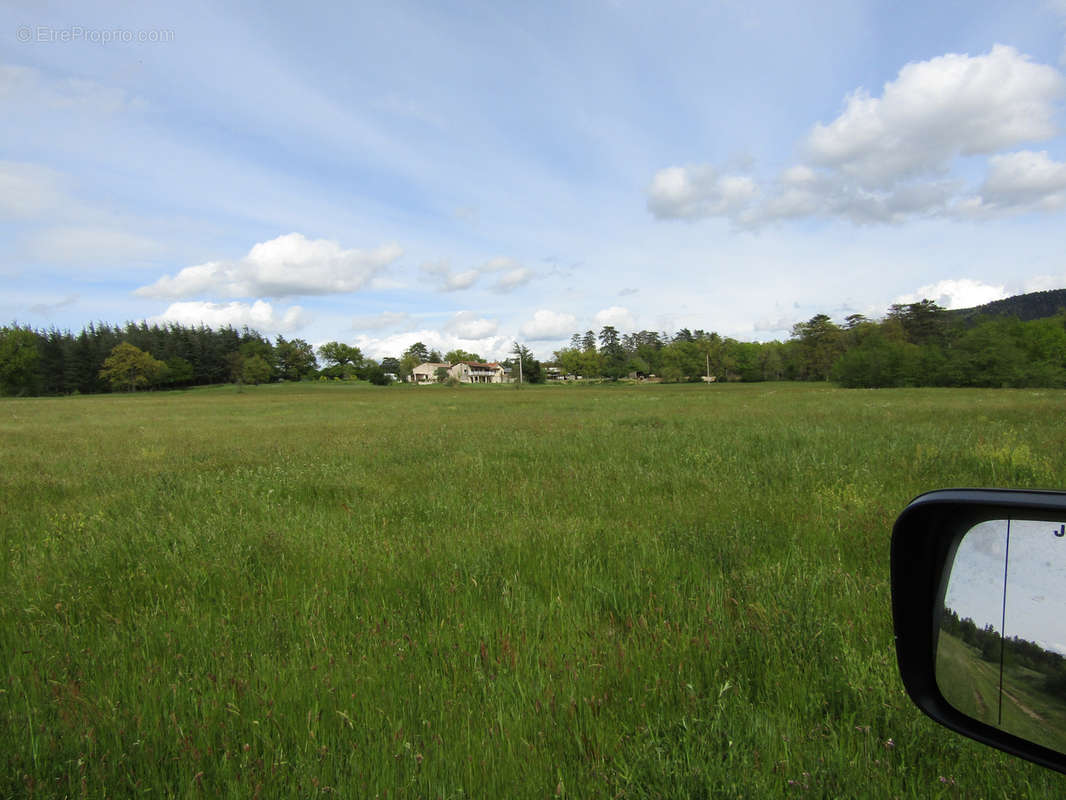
[426,372]
[477,372]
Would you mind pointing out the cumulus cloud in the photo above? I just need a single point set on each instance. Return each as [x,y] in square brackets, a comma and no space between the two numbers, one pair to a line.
[956,293]
[699,191]
[383,321]
[936,110]
[618,317]
[511,275]
[547,325]
[442,341]
[260,315]
[1025,180]
[889,158]
[512,279]
[499,264]
[287,266]
[448,281]
[468,325]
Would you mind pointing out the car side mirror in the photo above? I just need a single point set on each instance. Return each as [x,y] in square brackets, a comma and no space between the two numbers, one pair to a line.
[979,610]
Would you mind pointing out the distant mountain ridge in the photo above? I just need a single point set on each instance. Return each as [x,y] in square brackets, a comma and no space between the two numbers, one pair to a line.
[1033,305]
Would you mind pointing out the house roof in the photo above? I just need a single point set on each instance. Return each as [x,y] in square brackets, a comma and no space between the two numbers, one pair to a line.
[481,364]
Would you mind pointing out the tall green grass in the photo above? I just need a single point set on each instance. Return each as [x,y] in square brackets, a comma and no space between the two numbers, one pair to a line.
[647,591]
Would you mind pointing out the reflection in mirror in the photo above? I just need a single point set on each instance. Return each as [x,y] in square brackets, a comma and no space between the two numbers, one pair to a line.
[1001,647]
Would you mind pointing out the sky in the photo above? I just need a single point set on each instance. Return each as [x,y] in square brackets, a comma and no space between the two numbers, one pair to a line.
[1034,574]
[473,174]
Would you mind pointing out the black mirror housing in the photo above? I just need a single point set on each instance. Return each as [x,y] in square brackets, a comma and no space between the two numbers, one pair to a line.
[925,539]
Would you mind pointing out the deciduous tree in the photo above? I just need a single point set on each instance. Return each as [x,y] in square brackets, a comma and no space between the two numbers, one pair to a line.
[457,355]
[255,370]
[18,360]
[129,367]
[338,354]
[295,358]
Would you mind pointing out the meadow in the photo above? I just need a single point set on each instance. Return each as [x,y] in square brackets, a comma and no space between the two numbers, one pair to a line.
[562,591]
[1024,707]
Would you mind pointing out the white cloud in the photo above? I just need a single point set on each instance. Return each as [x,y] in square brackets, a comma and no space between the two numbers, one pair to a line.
[512,279]
[618,317]
[958,293]
[448,281]
[547,325]
[283,267]
[87,245]
[936,110]
[461,280]
[467,325]
[800,193]
[890,158]
[382,321]
[514,275]
[260,315]
[698,191]
[442,341]
[499,264]
[1025,180]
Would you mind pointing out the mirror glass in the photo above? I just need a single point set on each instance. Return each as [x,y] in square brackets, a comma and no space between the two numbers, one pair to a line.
[1001,645]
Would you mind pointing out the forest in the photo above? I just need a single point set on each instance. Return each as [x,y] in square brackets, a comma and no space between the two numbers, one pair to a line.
[1019,342]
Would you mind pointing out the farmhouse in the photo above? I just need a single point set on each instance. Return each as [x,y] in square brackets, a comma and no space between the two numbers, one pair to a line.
[426,372]
[463,371]
[477,372]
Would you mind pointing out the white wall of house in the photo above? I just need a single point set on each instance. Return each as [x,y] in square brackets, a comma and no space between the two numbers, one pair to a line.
[476,372]
[426,372]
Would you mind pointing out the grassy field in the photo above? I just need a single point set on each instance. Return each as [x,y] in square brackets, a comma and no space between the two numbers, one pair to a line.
[644,591]
[971,684]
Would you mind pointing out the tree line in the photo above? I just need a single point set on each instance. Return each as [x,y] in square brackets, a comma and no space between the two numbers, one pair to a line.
[103,358]
[1018,652]
[107,358]
[915,344]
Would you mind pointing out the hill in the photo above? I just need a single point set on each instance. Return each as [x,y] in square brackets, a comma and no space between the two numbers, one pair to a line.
[1034,305]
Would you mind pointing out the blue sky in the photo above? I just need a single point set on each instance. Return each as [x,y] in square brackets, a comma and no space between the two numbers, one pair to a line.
[470,174]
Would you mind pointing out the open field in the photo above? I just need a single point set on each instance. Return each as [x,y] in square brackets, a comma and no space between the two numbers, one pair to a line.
[971,684]
[646,591]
